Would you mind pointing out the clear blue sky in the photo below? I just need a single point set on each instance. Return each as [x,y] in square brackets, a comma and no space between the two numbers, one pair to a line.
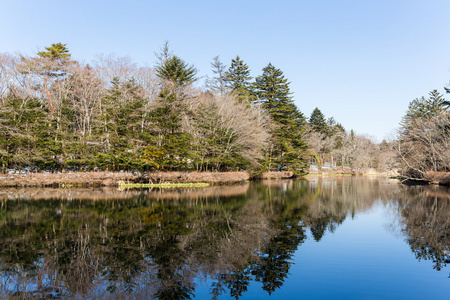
[359,61]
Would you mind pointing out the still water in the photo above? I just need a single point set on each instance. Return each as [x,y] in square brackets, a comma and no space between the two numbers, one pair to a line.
[338,238]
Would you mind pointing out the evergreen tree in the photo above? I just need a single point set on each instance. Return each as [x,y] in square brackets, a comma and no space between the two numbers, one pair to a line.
[318,122]
[55,52]
[25,135]
[170,146]
[238,79]
[123,112]
[272,91]
[424,109]
[50,65]
[176,71]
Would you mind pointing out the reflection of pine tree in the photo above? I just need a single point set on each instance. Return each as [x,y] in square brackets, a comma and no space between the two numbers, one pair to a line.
[319,225]
[428,252]
[318,228]
[122,262]
[174,291]
[169,259]
[237,282]
[217,288]
[276,260]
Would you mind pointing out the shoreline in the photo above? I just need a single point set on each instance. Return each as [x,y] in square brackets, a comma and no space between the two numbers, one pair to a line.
[154,179]
[116,179]
[181,179]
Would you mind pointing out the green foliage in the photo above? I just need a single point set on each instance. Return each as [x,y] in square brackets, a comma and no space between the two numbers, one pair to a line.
[238,78]
[176,71]
[424,109]
[318,122]
[272,91]
[170,146]
[79,117]
[56,51]
[123,118]
[28,137]
[214,150]
[238,74]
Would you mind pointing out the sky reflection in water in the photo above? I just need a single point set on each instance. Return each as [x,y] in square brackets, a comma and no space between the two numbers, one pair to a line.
[349,238]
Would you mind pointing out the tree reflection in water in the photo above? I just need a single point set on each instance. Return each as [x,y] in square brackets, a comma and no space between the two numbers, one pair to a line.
[424,220]
[155,244]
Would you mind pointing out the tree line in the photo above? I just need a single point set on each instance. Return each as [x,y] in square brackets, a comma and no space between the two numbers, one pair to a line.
[58,114]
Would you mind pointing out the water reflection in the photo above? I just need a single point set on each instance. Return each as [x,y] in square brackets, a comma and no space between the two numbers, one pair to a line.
[160,244]
[424,219]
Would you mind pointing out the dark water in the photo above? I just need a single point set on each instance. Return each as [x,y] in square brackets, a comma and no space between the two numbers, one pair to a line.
[348,238]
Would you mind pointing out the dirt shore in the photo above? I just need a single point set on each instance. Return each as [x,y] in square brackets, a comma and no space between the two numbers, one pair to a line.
[104,179]
[114,179]
[441,178]
[348,171]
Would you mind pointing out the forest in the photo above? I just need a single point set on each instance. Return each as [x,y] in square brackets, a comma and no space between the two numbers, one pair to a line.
[59,114]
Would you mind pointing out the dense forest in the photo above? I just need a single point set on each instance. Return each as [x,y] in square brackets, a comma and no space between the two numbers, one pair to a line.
[60,114]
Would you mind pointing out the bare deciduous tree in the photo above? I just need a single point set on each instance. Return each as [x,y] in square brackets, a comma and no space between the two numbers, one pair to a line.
[320,145]
[426,146]
[227,129]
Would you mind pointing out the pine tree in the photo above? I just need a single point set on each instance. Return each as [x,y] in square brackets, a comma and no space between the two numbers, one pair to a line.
[170,146]
[238,74]
[176,71]
[50,65]
[123,112]
[424,109]
[272,91]
[56,51]
[318,122]
[238,78]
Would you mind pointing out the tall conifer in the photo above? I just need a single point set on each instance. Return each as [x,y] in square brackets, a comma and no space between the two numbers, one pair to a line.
[318,122]
[238,78]
[273,92]
[424,109]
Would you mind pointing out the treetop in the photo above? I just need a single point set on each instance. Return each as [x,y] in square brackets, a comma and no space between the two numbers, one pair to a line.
[55,52]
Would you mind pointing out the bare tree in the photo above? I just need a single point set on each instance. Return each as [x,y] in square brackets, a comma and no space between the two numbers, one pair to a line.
[84,91]
[227,129]
[426,146]
[111,66]
[217,84]
[320,145]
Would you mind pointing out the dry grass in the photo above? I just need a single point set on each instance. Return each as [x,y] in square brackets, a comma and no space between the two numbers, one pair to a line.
[197,177]
[277,175]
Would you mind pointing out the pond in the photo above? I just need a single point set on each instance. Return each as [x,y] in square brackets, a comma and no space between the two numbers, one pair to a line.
[335,238]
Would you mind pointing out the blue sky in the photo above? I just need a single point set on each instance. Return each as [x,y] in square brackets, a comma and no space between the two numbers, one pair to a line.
[361,62]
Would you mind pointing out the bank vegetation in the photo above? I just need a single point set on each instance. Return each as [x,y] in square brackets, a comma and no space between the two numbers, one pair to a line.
[62,115]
